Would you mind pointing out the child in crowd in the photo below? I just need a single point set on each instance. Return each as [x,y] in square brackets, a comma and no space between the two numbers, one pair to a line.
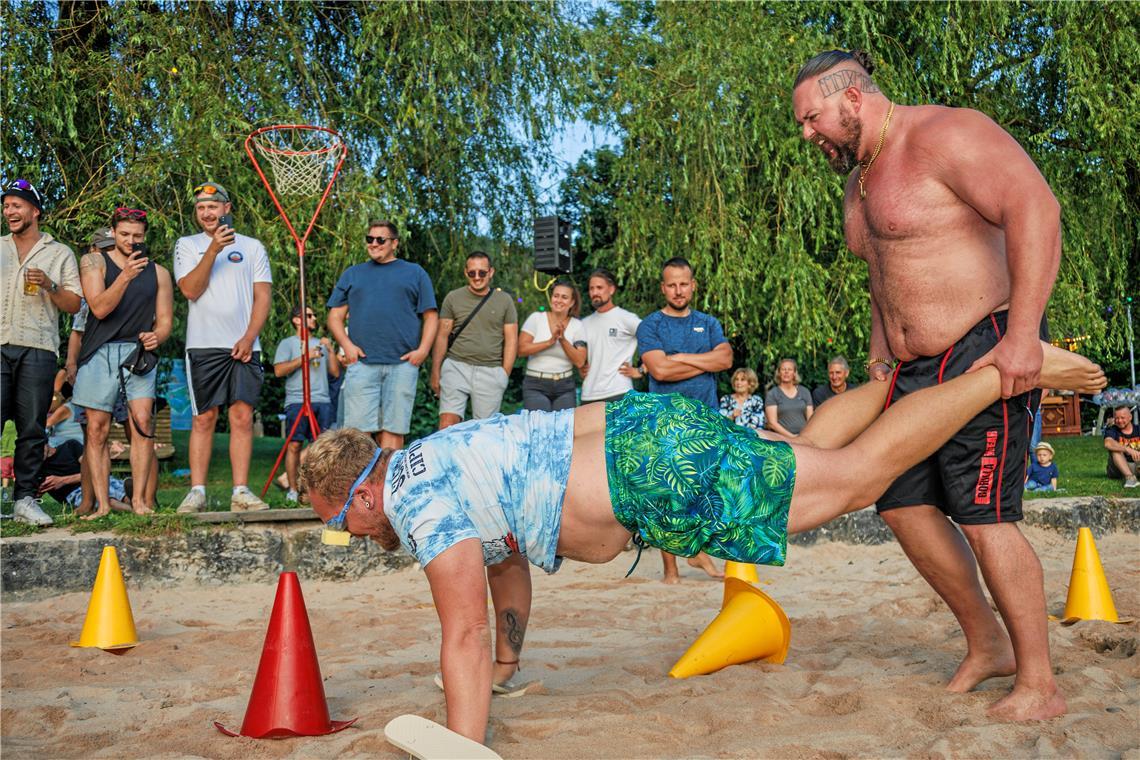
[1042,473]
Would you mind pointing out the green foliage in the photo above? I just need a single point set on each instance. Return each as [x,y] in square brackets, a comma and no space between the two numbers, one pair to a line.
[712,167]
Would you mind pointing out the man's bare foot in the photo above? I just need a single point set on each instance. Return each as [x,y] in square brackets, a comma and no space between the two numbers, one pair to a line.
[120,506]
[1026,704]
[142,510]
[84,509]
[100,512]
[704,562]
[977,668]
[1065,370]
[671,579]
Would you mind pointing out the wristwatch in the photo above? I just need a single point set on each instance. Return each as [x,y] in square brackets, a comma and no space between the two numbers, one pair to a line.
[54,287]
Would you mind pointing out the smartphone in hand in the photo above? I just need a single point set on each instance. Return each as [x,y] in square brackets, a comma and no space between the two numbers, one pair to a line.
[226,220]
[139,249]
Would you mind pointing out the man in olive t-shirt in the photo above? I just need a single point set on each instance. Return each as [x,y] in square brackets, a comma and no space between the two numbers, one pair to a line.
[473,359]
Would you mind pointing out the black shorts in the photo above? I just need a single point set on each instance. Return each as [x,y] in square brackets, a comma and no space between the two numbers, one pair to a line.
[977,477]
[215,378]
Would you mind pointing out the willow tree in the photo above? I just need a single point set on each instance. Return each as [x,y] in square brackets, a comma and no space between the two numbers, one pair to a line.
[712,166]
[447,109]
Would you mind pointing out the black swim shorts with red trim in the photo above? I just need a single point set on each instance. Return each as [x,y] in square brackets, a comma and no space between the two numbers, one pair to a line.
[978,476]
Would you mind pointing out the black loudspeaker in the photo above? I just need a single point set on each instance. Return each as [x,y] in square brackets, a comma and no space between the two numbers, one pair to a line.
[552,245]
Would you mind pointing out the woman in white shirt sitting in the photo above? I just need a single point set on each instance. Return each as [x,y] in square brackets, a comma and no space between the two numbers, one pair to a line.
[554,344]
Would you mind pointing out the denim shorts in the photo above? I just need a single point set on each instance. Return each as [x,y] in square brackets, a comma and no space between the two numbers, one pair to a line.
[97,382]
[322,411]
[380,396]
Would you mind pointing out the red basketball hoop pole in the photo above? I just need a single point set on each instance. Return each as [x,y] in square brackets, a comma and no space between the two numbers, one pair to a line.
[298,155]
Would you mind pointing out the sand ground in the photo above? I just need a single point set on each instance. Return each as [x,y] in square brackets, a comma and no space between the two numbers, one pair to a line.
[871,650]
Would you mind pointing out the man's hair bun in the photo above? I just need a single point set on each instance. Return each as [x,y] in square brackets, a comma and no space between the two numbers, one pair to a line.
[863,58]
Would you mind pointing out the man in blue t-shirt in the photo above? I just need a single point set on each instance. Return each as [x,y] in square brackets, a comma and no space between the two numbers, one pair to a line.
[683,349]
[392,304]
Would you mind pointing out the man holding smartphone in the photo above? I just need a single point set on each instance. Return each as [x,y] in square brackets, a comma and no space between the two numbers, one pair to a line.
[131,302]
[227,280]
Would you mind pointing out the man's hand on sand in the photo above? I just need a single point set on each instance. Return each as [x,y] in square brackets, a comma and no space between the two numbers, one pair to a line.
[1019,365]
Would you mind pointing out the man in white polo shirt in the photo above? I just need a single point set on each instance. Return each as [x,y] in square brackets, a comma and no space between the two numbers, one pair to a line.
[611,340]
[227,280]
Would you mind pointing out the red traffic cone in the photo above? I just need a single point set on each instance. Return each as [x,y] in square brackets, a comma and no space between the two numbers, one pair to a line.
[288,697]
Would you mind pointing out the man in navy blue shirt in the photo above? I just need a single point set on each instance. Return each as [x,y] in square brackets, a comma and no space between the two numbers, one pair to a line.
[683,349]
[392,306]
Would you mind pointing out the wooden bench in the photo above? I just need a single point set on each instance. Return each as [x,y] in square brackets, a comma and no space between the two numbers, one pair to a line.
[163,441]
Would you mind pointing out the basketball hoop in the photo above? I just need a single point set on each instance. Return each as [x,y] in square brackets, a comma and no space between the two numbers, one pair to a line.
[304,161]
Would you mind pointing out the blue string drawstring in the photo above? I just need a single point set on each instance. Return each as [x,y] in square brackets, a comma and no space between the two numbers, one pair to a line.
[639,542]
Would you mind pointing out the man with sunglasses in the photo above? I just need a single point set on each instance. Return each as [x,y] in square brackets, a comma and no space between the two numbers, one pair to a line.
[500,494]
[39,280]
[476,346]
[226,278]
[131,303]
[392,306]
[289,362]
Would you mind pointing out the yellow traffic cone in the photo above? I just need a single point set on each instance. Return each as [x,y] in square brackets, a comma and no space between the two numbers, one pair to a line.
[742,570]
[109,624]
[1089,595]
[750,626]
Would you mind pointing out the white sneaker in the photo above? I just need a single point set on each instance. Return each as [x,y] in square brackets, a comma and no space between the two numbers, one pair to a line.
[292,497]
[195,501]
[246,500]
[28,511]
[1132,483]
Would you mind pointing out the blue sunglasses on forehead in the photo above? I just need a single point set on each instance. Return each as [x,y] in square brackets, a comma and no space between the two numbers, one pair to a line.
[337,523]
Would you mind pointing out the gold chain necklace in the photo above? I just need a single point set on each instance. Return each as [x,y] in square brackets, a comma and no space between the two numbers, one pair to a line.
[865,169]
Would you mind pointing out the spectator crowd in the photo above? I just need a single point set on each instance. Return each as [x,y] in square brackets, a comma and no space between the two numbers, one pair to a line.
[122,303]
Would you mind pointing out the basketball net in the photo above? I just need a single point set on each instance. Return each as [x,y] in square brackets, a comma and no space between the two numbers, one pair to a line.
[303,162]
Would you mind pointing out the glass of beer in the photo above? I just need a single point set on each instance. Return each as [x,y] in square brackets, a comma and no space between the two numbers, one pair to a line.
[30,288]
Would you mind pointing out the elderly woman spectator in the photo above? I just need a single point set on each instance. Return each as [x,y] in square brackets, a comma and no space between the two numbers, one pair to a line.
[743,405]
[554,343]
[787,405]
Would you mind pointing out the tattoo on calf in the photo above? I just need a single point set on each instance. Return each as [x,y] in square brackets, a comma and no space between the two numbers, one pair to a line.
[844,78]
[514,628]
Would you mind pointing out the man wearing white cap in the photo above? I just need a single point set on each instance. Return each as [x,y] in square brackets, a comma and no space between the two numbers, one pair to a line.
[226,277]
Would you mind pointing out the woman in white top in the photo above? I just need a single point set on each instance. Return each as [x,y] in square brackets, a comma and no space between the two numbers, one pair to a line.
[554,343]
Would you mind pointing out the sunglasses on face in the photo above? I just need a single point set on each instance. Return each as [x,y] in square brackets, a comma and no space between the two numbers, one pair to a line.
[379,240]
[27,187]
[134,214]
[337,523]
[475,274]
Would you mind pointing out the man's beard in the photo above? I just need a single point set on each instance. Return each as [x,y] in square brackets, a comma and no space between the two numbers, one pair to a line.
[844,161]
[598,303]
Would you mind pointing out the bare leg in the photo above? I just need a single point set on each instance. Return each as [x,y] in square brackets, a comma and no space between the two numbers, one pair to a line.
[86,489]
[202,445]
[98,460]
[672,577]
[241,441]
[1122,465]
[292,462]
[845,416]
[386,440]
[704,562]
[940,554]
[511,595]
[1014,577]
[833,482]
[142,453]
[447,420]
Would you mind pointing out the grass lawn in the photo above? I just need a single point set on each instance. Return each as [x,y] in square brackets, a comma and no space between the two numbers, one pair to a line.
[1081,461]
[172,488]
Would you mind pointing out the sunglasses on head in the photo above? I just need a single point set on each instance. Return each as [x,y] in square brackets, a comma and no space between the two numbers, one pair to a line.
[27,187]
[476,273]
[207,189]
[378,239]
[122,212]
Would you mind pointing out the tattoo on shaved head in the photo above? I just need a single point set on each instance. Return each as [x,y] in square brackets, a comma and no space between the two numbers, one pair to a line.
[838,81]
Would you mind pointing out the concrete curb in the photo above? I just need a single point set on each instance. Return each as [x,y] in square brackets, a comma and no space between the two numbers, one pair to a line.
[55,561]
